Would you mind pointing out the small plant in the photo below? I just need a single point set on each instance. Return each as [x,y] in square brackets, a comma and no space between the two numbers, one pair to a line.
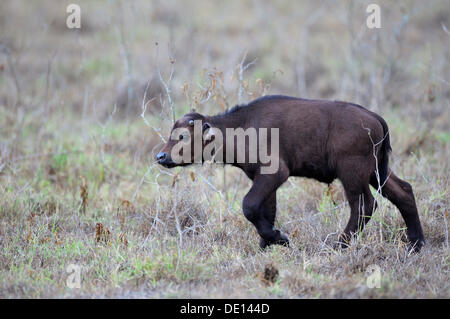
[102,234]
[84,195]
[270,274]
[123,239]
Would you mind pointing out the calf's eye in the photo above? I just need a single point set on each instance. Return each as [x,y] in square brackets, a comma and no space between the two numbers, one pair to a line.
[191,122]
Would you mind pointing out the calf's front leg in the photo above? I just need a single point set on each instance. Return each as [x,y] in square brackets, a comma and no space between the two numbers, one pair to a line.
[259,208]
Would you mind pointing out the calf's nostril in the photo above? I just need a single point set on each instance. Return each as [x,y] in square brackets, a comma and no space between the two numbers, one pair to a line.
[161,156]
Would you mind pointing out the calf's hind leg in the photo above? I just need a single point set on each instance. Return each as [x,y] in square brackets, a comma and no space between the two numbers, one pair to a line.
[362,205]
[355,181]
[401,195]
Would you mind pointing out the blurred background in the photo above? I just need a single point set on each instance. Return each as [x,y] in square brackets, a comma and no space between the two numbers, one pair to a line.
[76,148]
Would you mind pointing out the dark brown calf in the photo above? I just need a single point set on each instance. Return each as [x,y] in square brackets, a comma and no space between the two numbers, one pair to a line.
[318,139]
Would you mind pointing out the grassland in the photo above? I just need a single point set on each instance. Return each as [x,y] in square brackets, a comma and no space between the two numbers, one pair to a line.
[78,181]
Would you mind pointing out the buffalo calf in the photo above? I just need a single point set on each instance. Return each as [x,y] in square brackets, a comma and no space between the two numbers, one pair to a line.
[323,140]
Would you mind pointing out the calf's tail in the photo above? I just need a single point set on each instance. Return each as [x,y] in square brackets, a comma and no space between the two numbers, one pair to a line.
[383,164]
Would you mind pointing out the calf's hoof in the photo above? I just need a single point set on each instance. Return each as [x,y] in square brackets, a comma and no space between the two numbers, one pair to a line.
[282,239]
[414,246]
[342,243]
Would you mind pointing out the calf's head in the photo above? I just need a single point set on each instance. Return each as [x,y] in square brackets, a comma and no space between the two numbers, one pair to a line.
[186,142]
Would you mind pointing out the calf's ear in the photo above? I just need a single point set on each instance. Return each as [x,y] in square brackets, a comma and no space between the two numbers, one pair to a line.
[206,126]
[209,131]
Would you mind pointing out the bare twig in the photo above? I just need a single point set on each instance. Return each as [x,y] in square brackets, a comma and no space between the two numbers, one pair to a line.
[144,109]
[445,28]
[242,69]
[166,85]
[377,173]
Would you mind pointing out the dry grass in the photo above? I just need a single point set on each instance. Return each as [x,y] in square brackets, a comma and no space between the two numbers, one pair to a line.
[78,183]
